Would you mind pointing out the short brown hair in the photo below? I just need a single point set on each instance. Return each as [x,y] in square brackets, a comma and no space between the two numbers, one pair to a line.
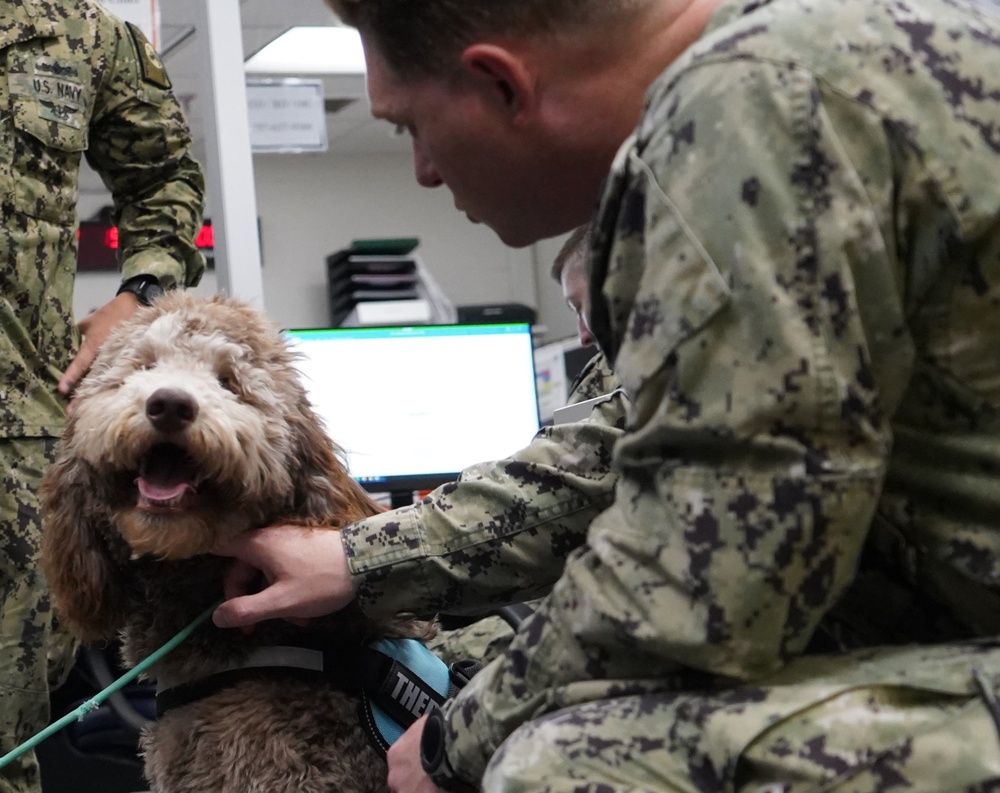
[421,38]
[577,243]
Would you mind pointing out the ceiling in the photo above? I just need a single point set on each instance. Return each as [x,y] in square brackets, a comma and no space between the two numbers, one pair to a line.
[350,128]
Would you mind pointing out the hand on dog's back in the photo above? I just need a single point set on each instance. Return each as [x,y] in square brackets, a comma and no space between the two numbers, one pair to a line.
[304,573]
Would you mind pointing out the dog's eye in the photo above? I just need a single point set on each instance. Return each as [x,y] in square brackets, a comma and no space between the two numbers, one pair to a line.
[228,383]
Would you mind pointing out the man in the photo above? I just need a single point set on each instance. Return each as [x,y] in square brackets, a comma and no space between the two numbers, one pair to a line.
[569,270]
[795,275]
[75,81]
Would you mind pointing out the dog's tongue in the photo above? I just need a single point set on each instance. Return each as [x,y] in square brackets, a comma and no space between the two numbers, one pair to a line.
[165,475]
[155,491]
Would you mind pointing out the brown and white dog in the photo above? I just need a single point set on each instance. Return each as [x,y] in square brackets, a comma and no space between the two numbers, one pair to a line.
[191,427]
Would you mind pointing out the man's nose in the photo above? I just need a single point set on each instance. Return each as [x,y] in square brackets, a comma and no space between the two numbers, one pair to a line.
[586,337]
[427,175]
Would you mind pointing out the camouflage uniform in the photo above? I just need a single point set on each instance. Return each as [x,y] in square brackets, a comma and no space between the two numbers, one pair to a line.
[75,81]
[596,379]
[467,502]
[514,521]
[811,357]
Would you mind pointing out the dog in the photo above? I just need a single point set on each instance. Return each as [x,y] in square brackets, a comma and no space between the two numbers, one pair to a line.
[191,427]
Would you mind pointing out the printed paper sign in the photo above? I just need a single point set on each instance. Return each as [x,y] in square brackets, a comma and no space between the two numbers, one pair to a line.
[286,115]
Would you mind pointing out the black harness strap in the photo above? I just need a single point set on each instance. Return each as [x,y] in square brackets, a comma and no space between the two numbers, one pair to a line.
[515,614]
[300,663]
[382,681]
[186,693]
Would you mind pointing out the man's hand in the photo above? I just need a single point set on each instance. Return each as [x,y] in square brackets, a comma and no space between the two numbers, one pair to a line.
[304,571]
[94,329]
[406,773]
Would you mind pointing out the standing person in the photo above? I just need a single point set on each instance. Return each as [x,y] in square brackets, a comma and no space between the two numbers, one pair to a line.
[75,81]
[796,276]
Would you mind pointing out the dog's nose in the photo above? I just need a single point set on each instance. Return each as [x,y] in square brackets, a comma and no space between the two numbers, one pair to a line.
[171,409]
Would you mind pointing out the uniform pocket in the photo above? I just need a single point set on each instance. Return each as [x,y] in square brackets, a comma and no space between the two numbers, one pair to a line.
[50,106]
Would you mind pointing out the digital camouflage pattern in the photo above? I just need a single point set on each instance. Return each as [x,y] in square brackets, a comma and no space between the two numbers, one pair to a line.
[811,358]
[756,739]
[75,81]
[596,379]
[488,637]
[78,82]
[503,530]
[25,616]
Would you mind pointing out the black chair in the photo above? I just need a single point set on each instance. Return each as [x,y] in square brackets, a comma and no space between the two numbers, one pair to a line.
[99,751]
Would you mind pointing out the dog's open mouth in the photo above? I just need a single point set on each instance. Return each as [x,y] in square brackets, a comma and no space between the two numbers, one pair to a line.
[168,479]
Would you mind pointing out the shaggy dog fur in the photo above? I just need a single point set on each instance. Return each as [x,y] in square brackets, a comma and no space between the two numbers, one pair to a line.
[191,428]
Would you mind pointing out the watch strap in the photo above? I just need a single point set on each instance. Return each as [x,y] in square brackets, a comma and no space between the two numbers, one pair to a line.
[146,288]
[433,757]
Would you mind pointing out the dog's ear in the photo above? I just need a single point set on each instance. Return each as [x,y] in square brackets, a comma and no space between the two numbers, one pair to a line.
[323,487]
[85,578]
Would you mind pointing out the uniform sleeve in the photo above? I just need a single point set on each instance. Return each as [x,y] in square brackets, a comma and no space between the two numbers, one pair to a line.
[499,534]
[140,145]
[755,443]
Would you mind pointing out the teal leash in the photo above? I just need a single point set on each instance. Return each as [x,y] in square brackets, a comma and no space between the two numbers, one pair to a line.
[95,702]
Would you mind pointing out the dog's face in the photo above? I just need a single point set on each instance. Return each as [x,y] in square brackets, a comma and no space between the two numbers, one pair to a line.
[196,427]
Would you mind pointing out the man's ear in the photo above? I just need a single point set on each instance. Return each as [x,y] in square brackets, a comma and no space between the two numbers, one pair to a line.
[505,76]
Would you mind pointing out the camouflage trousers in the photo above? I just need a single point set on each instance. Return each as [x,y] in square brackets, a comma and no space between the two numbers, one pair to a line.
[914,720]
[482,641]
[33,654]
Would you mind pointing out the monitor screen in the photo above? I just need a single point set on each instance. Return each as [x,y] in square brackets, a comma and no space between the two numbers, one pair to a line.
[414,406]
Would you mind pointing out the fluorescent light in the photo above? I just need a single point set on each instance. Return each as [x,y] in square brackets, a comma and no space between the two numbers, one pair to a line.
[311,50]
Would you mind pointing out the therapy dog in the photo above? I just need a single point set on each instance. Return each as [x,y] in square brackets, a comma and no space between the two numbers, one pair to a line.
[191,427]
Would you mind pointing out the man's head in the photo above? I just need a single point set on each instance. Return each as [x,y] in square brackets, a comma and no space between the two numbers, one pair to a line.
[518,106]
[569,269]
[424,38]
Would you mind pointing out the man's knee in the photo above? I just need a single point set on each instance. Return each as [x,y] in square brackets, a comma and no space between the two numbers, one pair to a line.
[529,756]
[600,747]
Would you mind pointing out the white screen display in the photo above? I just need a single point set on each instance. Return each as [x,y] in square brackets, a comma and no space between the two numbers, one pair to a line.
[422,401]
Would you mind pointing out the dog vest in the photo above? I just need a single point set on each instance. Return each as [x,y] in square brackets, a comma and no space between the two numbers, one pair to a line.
[398,679]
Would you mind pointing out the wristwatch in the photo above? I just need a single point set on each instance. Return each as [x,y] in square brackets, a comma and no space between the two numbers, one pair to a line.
[433,757]
[146,288]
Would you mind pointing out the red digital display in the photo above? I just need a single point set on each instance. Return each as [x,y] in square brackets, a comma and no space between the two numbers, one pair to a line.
[97,245]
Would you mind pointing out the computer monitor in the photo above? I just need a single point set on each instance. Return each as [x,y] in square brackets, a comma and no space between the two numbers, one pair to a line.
[414,406]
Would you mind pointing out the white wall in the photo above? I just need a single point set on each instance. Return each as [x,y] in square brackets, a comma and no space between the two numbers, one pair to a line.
[313,204]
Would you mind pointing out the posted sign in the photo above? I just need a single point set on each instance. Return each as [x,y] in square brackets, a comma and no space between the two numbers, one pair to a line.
[286,115]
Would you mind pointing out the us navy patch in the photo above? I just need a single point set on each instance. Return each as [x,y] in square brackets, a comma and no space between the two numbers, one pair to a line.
[149,62]
[59,91]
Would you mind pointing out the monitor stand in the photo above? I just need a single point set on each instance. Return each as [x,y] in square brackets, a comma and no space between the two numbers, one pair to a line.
[400,498]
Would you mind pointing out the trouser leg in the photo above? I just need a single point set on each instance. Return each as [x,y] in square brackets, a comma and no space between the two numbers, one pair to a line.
[914,720]
[871,741]
[28,648]
[481,641]
[600,747]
